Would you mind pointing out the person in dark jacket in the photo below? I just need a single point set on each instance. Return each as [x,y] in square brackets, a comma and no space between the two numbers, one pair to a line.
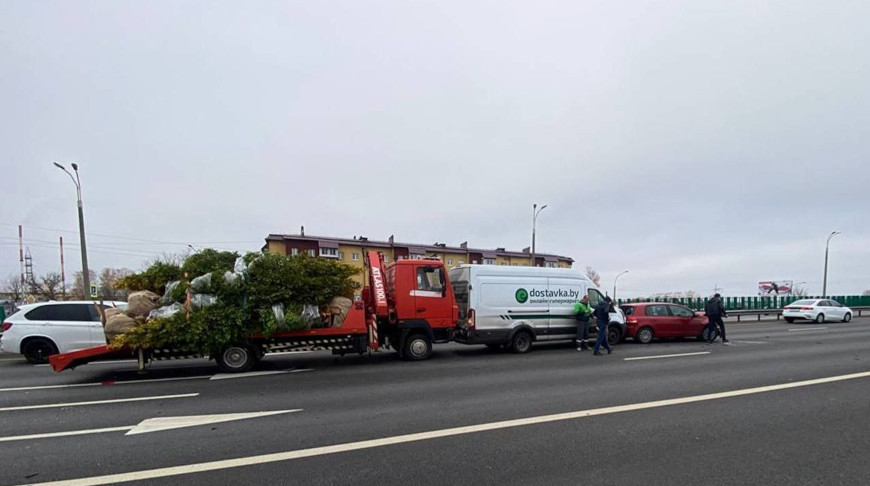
[582,313]
[715,312]
[602,315]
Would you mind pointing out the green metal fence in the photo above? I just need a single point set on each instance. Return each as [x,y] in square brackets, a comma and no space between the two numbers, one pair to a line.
[753,303]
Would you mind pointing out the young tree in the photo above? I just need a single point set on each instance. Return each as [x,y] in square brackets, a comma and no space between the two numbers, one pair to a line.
[593,275]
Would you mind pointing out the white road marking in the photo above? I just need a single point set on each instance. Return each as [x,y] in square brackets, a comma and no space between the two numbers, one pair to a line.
[435,434]
[153,425]
[103,383]
[229,376]
[797,329]
[96,402]
[65,434]
[668,356]
[168,423]
[749,342]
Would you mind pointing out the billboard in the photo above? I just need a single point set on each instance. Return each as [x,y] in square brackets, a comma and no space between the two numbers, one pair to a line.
[775,288]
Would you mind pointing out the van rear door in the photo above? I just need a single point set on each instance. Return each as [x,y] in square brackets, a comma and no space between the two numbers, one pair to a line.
[564,292]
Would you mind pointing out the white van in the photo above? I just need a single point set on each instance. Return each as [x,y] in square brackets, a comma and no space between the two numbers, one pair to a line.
[514,306]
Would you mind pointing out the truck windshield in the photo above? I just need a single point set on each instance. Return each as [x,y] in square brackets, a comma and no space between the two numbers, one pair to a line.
[459,282]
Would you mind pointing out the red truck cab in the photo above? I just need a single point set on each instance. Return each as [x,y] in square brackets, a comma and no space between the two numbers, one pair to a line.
[413,304]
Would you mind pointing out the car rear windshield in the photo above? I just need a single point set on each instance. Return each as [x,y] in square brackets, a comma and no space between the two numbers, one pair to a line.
[804,302]
[628,309]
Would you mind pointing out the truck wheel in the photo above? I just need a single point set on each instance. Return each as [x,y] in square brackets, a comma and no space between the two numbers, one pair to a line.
[236,359]
[37,350]
[417,347]
[522,342]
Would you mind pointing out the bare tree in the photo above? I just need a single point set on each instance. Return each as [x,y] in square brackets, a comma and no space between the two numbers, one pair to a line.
[47,286]
[593,275]
[799,291]
[78,291]
[108,287]
[866,292]
[13,287]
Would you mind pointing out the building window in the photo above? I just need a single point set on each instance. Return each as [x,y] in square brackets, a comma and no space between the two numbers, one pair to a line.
[489,261]
[294,251]
[386,258]
[341,255]
[329,252]
[450,261]
[311,252]
[551,265]
[354,256]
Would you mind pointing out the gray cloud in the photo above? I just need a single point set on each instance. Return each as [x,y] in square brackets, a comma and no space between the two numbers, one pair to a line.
[691,143]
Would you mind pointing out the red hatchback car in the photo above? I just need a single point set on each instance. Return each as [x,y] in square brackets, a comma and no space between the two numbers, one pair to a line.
[650,320]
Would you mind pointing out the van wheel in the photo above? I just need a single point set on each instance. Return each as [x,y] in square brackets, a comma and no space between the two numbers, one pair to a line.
[38,350]
[645,335]
[236,359]
[522,342]
[614,335]
[417,348]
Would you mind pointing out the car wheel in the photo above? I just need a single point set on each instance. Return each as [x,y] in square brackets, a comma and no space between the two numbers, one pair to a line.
[37,350]
[236,359]
[789,319]
[417,347]
[522,342]
[847,317]
[614,335]
[645,335]
[820,318]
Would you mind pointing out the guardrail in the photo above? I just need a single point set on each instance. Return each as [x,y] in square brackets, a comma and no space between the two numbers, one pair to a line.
[768,304]
[738,313]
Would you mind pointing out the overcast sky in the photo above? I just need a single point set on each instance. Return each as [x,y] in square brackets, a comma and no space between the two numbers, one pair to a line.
[692,143]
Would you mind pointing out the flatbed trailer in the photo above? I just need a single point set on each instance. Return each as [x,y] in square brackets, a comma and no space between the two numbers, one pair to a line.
[352,337]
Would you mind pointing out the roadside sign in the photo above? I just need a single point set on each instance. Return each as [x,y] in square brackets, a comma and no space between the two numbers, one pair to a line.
[94,291]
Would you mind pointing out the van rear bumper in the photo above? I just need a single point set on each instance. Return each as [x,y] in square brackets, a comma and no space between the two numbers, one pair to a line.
[494,336]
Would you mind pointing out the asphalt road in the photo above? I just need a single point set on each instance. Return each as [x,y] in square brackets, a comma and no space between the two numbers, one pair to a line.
[743,413]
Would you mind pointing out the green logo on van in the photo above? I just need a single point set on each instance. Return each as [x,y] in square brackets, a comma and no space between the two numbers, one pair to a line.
[522,296]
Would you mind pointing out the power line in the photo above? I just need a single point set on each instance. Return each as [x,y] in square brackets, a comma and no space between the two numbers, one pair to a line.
[156,242]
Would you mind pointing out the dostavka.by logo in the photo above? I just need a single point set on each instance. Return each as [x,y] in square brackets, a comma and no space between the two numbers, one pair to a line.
[522,296]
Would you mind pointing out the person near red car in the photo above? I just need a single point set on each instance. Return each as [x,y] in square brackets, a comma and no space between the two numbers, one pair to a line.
[715,310]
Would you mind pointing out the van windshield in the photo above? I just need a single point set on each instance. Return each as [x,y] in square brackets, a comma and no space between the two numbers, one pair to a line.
[459,282]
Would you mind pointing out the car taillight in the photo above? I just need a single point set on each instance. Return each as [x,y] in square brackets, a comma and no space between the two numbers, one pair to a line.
[631,320]
[6,326]
[806,308]
[470,319]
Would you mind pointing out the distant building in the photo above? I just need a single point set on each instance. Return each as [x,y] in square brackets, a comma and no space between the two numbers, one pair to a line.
[350,251]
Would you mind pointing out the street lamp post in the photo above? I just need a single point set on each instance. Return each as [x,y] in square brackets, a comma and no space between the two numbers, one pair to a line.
[86,278]
[825,279]
[614,283]
[535,213]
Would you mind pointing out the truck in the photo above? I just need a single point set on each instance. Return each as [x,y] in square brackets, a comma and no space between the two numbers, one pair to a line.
[407,306]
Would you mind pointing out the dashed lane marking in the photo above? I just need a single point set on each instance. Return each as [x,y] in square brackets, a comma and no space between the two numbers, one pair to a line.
[96,402]
[667,356]
[804,329]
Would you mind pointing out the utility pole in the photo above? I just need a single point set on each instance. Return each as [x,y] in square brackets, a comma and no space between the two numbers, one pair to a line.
[21,256]
[825,280]
[535,213]
[62,274]
[86,277]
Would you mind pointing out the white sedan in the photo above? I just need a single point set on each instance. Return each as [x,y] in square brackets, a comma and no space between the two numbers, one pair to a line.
[817,310]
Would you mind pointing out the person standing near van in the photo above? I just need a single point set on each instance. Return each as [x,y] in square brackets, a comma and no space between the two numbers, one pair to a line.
[715,310]
[602,315]
[582,313]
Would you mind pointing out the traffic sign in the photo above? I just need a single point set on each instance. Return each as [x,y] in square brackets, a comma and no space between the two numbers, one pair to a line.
[94,291]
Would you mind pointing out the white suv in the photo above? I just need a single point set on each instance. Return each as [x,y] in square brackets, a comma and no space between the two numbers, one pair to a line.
[45,328]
